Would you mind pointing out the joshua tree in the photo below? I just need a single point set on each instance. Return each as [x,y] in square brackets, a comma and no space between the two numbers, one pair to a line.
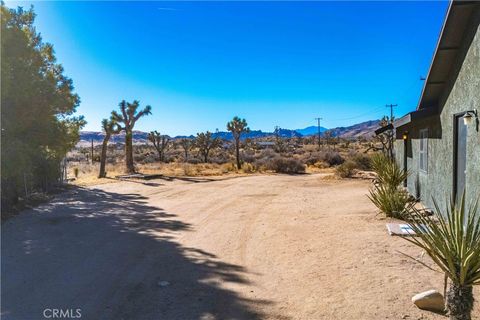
[160,142]
[385,139]
[205,142]
[328,135]
[279,142]
[128,116]
[453,243]
[237,126]
[186,145]
[110,127]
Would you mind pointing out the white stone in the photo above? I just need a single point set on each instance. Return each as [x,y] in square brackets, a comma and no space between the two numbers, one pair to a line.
[429,300]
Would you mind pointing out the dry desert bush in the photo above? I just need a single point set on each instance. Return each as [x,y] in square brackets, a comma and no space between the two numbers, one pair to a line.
[295,156]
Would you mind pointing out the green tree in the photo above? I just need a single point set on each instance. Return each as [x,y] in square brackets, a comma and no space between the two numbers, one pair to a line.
[38,105]
[110,127]
[129,116]
[205,142]
[237,126]
[160,142]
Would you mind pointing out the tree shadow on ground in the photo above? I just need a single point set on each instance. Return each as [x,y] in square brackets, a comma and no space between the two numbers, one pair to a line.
[114,257]
[145,183]
[187,179]
[173,178]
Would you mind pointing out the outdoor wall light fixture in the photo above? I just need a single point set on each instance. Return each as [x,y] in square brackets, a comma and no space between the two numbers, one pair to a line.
[471,116]
[405,136]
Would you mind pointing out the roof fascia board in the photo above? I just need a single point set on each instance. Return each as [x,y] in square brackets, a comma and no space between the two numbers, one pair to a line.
[435,52]
[403,120]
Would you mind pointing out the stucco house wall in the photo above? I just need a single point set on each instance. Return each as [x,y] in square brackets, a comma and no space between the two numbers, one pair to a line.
[437,182]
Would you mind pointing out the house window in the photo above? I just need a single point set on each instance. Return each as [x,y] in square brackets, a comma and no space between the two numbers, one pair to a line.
[423,150]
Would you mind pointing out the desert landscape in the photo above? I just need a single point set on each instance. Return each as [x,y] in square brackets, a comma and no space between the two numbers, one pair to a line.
[240,160]
[256,247]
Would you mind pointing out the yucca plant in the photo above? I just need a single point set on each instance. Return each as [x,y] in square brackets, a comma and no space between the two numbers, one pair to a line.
[394,202]
[452,239]
[386,194]
[388,171]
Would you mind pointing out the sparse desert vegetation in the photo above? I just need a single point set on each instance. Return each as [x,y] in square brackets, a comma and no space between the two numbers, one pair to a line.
[155,213]
[207,154]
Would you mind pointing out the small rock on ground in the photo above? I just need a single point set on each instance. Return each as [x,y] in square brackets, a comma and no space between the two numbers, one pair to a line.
[429,300]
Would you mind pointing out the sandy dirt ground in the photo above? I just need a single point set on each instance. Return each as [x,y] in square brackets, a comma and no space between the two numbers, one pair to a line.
[258,247]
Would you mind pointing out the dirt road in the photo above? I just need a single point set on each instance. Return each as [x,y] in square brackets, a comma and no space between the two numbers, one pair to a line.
[258,247]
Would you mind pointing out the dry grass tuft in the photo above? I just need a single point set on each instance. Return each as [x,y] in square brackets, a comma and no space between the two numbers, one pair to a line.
[88,173]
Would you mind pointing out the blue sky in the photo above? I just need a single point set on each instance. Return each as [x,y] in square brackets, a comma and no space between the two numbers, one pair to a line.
[275,63]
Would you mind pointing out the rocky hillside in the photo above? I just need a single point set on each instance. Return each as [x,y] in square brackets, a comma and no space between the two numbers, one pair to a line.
[365,129]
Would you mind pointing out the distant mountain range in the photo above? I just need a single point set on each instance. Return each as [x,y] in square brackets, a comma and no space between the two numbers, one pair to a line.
[364,129]
[312,130]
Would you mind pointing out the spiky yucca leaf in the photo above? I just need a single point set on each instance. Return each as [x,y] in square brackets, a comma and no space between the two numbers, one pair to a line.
[453,242]
[394,202]
[388,171]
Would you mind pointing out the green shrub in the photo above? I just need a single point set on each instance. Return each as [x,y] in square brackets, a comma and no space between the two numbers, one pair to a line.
[313,158]
[333,158]
[248,157]
[393,202]
[346,169]
[286,165]
[387,195]
[387,170]
[362,161]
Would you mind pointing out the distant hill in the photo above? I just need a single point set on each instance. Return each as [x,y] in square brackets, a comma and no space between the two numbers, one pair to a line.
[142,137]
[365,129]
[309,131]
[358,130]
[97,137]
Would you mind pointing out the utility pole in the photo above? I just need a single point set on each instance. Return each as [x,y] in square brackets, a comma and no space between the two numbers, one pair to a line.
[92,152]
[391,106]
[319,133]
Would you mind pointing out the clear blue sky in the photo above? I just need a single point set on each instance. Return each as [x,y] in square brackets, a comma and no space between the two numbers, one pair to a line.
[274,63]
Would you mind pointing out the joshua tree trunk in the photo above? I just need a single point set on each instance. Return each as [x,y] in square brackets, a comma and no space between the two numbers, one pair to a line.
[103,157]
[237,151]
[460,302]
[205,156]
[129,152]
